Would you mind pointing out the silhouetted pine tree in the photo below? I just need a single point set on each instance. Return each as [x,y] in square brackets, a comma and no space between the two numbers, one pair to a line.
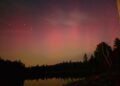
[116,54]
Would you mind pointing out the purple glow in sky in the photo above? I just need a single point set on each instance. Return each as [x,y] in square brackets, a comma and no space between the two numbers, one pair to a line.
[52,31]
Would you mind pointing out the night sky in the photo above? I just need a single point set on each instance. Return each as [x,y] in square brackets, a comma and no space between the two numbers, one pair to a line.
[53,31]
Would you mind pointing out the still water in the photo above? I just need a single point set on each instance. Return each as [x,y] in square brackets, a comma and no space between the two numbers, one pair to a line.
[40,82]
[48,82]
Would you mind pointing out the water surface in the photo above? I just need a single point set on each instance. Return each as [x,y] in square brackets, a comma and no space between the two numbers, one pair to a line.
[47,82]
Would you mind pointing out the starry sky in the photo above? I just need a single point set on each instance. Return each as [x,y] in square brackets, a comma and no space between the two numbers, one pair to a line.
[53,31]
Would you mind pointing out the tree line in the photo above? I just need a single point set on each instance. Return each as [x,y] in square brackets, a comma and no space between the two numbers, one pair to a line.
[103,59]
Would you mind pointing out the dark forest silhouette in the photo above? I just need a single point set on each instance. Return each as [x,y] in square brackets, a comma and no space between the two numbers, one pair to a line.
[104,60]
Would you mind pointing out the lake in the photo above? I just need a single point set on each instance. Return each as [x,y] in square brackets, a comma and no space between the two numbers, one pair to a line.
[47,82]
[39,82]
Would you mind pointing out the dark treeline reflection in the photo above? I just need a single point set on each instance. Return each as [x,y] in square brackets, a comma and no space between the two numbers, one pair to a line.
[103,60]
[11,82]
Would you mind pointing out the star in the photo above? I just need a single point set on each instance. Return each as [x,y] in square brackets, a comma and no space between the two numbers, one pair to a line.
[24,24]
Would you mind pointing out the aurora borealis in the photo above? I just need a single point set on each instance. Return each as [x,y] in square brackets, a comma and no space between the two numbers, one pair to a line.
[52,31]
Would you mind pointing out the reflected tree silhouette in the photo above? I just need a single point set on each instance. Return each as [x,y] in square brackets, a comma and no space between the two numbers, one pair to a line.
[11,82]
